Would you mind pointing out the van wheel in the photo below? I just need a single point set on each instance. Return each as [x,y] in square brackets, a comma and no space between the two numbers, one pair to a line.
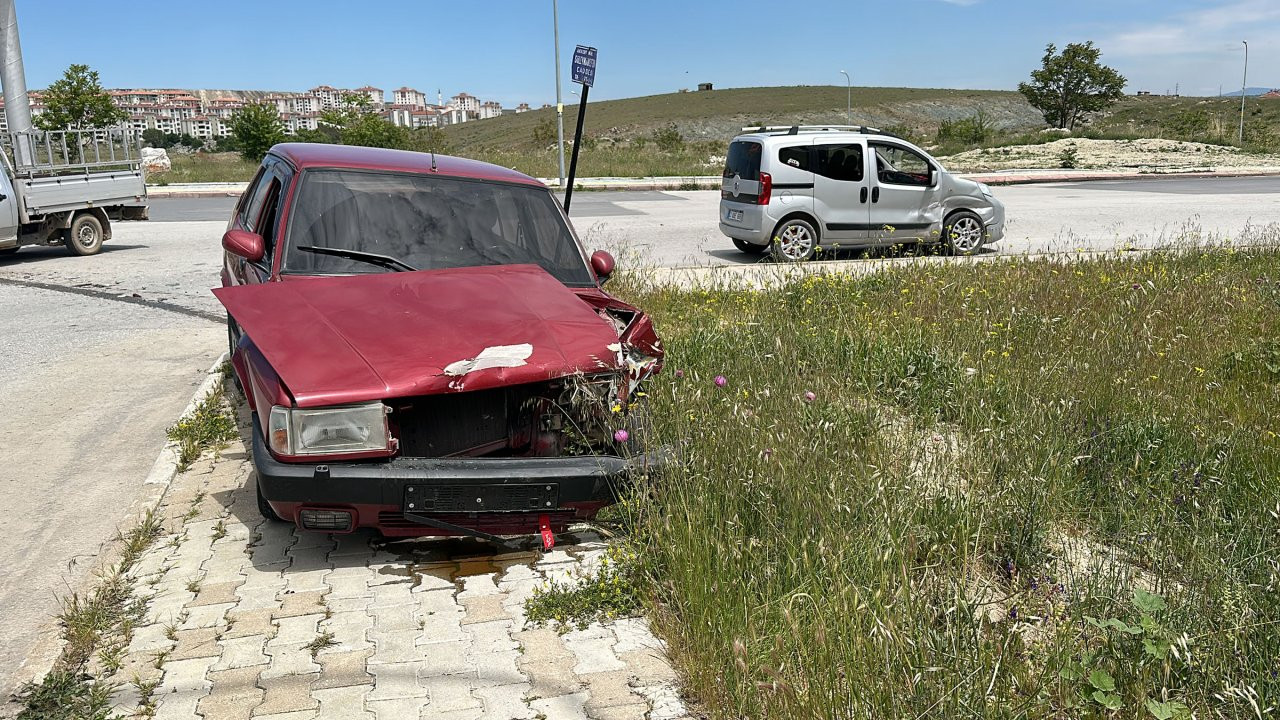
[84,237]
[964,233]
[749,248]
[794,240]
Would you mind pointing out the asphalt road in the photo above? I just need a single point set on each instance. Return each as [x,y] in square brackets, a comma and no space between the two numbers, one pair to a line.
[96,363]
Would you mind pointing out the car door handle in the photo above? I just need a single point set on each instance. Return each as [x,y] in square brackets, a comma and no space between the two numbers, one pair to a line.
[875,195]
[863,196]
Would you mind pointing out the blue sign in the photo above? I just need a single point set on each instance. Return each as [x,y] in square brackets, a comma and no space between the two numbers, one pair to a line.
[584,65]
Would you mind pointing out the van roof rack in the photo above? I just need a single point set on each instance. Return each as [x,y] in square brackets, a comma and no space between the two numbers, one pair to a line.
[797,129]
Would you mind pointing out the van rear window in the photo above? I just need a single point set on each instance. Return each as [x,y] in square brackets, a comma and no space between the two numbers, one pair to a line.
[743,160]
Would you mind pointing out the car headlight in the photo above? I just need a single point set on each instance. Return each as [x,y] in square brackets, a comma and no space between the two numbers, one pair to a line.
[329,430]
[986,189]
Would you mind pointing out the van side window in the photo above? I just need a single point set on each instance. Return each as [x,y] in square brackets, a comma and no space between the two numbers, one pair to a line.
[796,157]
[896,165]
[839,162]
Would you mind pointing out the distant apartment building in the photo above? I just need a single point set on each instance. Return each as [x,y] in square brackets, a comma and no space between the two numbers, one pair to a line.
[466,103]
[409,97]
[177,111]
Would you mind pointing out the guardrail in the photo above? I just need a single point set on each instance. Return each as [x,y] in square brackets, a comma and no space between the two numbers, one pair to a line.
[62,151]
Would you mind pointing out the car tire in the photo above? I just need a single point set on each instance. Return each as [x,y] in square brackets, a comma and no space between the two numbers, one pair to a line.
[264,508]
[795,240]
[749,248]
[8,251]
[963,233]
[85,235]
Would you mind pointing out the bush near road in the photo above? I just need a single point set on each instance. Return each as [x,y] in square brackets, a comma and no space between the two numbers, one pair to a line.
[1012,489]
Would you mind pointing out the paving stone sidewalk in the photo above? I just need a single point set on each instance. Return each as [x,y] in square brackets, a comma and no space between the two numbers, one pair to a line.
[250,618]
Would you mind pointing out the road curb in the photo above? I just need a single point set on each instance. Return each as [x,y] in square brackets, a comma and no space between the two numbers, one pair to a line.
[712,182]
[40,661]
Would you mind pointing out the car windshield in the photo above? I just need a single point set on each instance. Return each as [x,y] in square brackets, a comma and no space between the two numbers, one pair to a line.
[428,223]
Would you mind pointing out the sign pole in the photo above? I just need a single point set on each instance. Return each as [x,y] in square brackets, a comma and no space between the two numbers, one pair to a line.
[584,73]
[577,143]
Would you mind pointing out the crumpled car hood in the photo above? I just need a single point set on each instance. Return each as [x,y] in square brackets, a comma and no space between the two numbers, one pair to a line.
[369,337]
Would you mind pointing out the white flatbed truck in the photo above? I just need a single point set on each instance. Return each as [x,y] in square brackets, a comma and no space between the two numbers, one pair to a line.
[74,185]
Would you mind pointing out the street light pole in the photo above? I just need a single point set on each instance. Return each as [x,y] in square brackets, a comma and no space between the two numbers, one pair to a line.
[1243,84]
[848,103]
[555,19]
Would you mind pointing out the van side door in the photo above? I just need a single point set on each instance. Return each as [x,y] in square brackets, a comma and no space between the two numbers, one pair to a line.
[904,205]
[840,191]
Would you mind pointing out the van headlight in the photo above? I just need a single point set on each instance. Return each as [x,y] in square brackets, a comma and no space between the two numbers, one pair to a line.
[986,189]
[329,430]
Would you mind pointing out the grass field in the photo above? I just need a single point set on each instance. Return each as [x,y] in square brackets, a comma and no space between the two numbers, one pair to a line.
[1004,490]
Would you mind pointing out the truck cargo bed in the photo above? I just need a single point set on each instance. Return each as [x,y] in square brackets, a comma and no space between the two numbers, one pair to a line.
[60,193]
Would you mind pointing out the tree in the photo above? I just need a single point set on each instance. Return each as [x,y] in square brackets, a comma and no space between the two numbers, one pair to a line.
[78,101]
[1071,84]
[358,124]
[255,128]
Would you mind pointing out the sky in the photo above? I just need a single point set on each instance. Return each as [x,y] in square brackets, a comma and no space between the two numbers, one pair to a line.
[504,49]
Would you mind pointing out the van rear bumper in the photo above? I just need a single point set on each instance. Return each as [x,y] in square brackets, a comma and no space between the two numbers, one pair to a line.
[755,237]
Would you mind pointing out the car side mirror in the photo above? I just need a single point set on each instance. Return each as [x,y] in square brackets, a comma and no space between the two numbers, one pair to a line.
[602,263]
[245,244]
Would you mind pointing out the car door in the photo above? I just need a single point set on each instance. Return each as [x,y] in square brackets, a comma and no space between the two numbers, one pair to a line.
[8,213]
[259,212]
[904,191]
[840,191]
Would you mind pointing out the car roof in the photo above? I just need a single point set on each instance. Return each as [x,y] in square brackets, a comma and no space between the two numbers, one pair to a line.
[317,155]
[809,137]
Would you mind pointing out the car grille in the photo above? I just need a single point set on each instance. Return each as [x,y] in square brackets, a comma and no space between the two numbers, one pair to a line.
[443,425]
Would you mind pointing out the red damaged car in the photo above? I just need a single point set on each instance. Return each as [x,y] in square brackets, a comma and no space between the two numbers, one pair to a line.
[426,348]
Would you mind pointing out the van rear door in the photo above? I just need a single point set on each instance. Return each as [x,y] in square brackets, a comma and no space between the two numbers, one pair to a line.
[740,186]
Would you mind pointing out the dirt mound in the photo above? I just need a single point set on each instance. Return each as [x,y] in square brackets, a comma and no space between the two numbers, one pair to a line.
[1087,154]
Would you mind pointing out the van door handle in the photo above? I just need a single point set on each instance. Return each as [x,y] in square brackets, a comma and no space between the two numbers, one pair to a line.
[875,194]
[863,196]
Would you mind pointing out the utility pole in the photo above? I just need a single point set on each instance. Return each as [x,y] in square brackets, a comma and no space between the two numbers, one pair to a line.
[848,102]
[555,21]
[1244,84]
[17,105]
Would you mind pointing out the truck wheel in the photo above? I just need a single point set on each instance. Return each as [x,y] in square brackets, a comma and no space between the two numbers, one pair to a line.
[84,237]
[263,507]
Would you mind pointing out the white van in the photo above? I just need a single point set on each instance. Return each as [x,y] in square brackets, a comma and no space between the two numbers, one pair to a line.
[797,190]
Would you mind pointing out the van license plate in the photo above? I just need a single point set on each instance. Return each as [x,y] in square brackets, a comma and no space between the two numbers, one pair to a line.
[734,214]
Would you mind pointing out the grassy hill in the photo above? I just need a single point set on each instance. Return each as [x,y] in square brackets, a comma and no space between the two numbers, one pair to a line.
[717,115]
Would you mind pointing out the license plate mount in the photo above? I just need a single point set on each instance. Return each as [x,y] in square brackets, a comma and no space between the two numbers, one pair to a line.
[523,497]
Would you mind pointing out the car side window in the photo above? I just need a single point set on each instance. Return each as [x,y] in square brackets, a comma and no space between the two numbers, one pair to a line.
[896,165]
[270,217]
[251,207]
[839,162]
[796,157]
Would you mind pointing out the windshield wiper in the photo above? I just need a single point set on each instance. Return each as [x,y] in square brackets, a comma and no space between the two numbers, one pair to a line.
[385,261]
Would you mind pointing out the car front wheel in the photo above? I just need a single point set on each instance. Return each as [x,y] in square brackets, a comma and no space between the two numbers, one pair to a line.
[964,233]
[795,240]
[264,508]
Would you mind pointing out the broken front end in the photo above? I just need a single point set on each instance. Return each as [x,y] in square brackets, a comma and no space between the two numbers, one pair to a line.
[501,461]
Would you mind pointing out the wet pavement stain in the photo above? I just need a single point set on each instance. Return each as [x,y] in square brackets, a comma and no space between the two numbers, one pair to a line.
[452,559]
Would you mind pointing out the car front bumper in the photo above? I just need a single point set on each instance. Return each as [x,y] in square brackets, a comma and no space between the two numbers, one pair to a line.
[377,494]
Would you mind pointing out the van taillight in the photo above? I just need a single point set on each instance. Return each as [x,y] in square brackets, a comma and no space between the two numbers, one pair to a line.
[766,189]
